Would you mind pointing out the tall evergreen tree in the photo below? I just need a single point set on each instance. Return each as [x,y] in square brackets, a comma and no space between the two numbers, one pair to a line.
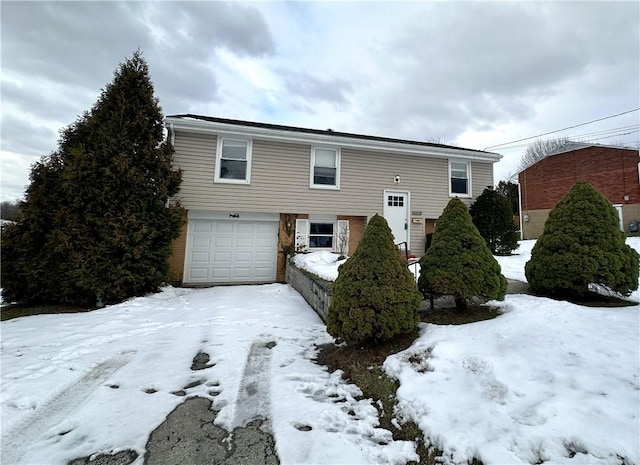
[510,191]
[491,214]
[459,263]
[96,213]
[582,244]
[375,296]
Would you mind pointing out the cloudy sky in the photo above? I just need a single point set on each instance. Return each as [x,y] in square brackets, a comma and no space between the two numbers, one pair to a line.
[472,74]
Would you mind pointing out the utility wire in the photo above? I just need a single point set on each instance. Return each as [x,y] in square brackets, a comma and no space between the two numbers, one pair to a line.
[586,137]
[563,129]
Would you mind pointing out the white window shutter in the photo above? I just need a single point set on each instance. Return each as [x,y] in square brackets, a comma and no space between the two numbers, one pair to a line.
[342,235]
[302,235]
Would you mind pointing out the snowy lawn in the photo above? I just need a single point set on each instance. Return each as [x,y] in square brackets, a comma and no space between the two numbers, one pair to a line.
[547,381]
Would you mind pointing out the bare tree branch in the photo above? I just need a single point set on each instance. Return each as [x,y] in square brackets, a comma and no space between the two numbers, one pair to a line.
[540,149]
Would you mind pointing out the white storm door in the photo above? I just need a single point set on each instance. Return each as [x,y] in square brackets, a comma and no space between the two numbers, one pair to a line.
[396,212]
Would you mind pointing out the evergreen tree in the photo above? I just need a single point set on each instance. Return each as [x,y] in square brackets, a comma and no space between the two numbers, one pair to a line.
[9,209]
[95,214]
[375,296]
[510,191]
[459,263]
[491,214]
[582,244]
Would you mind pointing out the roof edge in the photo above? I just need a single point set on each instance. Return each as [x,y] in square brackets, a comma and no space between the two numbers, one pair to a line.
[366,141]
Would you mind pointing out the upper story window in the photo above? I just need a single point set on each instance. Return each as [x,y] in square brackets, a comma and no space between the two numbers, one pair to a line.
[325,168]
[460,178]
[233,161]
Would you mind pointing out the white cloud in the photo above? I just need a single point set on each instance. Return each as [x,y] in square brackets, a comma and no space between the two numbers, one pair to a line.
[474,74]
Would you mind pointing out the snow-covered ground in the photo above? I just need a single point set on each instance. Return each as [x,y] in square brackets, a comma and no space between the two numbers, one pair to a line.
[545,381]
[324,264]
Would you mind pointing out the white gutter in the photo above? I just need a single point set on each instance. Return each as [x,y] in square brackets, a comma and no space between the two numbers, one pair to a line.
[211,127]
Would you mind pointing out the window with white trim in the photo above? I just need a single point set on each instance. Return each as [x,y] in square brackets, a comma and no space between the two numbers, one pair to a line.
[321,235]
[325,168]
[312,234]
[233,161]
[460,178]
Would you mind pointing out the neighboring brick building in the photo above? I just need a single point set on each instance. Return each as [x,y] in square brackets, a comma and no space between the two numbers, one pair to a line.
[614,171]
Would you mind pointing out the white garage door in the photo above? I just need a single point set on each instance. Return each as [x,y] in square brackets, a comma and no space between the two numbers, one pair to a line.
[220,251]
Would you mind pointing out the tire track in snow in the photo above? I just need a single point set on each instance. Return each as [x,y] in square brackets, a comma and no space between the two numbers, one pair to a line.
[58,408]
[253,400]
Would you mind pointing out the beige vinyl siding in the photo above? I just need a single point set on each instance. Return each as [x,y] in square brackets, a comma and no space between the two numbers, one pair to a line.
[280,181]
[481,178]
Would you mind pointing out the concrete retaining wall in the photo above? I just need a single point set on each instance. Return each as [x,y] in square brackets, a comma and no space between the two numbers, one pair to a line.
[317,292]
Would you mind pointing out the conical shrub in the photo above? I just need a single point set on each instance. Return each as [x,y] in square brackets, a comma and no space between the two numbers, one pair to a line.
[375,296]
[582,244]
[459,263]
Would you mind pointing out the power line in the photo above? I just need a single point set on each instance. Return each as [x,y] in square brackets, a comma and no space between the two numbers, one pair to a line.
[587,137]
[563,129]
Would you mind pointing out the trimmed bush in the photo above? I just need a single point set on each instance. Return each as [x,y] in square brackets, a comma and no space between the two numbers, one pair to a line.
[375,296]
[582,244]
[492,215]
[459,263]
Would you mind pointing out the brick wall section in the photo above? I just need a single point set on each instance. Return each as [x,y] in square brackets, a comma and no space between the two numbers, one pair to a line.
[286,239]
[612,171]
[356,231]
[178,251]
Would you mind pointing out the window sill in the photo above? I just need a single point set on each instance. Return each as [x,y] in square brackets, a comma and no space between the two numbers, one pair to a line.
[324,187]
[462,196]
[231,181]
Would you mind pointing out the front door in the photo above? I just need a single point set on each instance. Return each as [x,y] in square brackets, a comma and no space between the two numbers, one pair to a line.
[396,212]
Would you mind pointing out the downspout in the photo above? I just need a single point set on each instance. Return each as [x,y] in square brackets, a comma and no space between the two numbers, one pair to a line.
[520,208]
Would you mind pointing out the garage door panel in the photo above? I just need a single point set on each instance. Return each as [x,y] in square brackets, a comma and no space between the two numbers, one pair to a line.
[221,273]
[243,273]
[247,228]
[201,241]
[222,227]
[200,257]
[202,226]
[222,257]
[222,242]
[246,241]
[244,258]
[262,273]
[266,242]
[263,257]
[199,274]
[233,251]
[263,228]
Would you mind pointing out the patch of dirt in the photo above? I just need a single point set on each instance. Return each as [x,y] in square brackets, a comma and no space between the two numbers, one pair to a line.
[201,361]
[597,300]
[362,365]
[8,312]
[124,457]
[346,358]
[453,316]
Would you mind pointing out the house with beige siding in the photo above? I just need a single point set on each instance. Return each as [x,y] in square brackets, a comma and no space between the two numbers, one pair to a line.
[255,192]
